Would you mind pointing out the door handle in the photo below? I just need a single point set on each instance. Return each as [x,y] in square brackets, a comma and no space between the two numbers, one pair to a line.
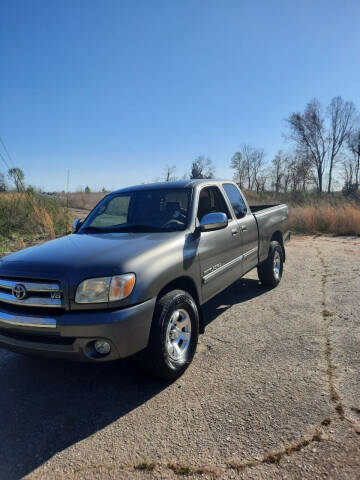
[243,228]
[234,232]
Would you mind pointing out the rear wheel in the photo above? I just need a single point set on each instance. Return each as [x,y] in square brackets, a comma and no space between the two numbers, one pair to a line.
[173,336]
[270,272]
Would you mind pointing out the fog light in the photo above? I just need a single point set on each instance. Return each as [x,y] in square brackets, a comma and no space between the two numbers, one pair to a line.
[102,347]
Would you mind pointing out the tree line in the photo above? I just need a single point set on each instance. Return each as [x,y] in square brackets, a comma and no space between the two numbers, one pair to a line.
[324,142]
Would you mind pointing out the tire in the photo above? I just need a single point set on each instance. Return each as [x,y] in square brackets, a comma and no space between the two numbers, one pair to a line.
[270,271]
[173,336]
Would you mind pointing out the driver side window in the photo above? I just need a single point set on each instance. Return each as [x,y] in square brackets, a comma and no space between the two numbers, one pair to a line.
[211,200]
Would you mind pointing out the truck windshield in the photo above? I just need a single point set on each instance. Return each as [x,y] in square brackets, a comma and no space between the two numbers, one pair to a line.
[140,210]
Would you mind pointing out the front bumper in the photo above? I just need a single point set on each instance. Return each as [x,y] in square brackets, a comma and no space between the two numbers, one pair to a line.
[72,335]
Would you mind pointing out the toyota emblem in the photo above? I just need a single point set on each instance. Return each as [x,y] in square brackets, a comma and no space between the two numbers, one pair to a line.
[19,291]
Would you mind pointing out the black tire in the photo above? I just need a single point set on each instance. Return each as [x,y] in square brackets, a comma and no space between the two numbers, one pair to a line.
[266,270]
[156,359]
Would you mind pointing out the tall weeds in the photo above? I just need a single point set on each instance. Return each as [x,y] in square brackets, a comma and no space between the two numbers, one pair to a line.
[19,220]
[311,213]
[322,218]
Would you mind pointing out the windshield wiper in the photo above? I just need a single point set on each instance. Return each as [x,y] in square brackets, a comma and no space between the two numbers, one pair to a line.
[91,230]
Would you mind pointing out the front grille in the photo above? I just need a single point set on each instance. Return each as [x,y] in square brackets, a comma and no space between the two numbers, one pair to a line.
[30,293]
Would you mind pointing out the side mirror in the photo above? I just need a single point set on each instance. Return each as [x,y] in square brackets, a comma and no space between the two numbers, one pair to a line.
[77,224]
[213,221]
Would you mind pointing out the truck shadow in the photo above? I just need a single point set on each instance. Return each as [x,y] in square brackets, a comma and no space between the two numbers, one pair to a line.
[47,406]
[239,292]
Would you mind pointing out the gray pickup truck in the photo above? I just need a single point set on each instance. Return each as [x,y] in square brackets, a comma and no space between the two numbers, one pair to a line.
[133,276]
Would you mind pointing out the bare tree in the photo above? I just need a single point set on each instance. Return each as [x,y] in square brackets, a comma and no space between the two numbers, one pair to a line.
[247,152]
[308,131]
[277,172]
[258,174]
[287,173]
[169,173]
[260,181]
[17,176]
[303,172]
[354,147]
[296,172]
[341,116]
[348,166]
[202,167]
[238,164]
[249,167]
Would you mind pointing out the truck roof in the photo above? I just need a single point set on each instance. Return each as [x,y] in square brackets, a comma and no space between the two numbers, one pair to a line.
[170,185]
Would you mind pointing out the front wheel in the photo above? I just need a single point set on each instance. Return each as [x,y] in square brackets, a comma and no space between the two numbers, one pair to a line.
[173,336]
[270,271]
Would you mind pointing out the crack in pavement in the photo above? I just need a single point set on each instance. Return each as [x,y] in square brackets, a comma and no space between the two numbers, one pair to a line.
[327,320]
[183,469]
[275,457]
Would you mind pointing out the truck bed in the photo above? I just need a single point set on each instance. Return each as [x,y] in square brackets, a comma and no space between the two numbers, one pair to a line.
[258,208]
[269,219]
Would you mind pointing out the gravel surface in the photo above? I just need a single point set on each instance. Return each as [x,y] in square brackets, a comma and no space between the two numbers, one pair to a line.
[273,391]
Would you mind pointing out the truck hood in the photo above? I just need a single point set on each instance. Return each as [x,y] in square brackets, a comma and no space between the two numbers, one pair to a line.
[84,255]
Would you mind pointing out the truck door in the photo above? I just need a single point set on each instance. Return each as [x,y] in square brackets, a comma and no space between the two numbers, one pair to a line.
[219,250]
[247,226]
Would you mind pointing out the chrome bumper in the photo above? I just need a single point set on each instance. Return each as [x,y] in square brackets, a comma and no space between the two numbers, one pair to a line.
[72,334]
[27,321]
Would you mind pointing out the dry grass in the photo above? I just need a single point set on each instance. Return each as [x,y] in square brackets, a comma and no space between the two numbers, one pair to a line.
[311,213]
[22,220]
[145,465]
[188,470]
[323,218]
[86,201]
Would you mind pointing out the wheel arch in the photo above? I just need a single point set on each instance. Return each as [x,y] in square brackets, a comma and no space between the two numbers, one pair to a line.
[188,285]
[278,237]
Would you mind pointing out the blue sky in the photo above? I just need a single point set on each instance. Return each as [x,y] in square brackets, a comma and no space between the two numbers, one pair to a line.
[115,90]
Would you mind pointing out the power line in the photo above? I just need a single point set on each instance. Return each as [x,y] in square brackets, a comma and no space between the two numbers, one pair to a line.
[4,160]
[7,152]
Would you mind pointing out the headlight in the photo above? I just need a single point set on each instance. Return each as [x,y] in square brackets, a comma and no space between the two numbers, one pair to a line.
[105,289]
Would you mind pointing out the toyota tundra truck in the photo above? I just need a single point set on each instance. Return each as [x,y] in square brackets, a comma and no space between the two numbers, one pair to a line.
[133,276]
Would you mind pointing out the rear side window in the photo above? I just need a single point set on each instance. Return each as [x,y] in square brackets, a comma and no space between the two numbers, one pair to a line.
[211,200]
[236,200]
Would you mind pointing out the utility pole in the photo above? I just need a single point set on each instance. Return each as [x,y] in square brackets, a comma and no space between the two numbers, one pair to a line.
[67,188]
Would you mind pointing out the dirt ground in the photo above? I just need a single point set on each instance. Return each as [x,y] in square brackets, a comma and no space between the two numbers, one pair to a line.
[79,212]
[273,392]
